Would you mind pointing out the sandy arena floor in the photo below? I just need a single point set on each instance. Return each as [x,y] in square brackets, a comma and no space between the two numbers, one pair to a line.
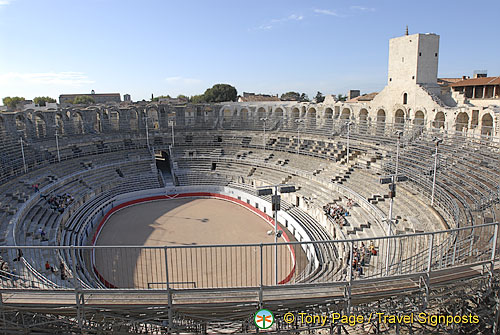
[188,222]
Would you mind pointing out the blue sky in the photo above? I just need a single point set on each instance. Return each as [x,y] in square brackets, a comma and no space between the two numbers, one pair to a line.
[50,47]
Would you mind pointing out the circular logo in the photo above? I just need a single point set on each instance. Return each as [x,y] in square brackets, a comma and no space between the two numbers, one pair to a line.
[263,319]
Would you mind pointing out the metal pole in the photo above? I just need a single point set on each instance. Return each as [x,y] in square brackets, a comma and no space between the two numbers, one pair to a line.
[264,135]
[22,153]
[276,241]
[57,146]
[147,132]
[298,138]
[434,178]
[348,128]
[173,137]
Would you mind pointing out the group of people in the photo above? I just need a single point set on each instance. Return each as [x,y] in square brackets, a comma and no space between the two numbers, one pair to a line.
[59,202]
[361,257]
[336,212]
[53,269]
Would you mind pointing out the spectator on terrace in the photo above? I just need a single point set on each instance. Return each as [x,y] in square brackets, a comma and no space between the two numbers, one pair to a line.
[19,255]
[47,266]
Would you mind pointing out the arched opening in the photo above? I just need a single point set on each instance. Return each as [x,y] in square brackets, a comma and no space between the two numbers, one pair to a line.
[439,120]
[405,98]
[487,124]
[328,113]
[462,122]
[278,113]
[244,115]
[363,118]
[363,115]
[380,121]
[399,117]
[295,113]
[114,120]
[311,117]
[419,118]
[78,123]
[153,119]
[134,120]
[21,125]
[346,114]
[40,126]
[59,124]
[97,123]
[227,115]
[261,113]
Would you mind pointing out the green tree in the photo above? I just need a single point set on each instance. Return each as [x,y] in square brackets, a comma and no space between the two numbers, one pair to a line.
[11,102]
[83,99]
[290,96]
[304,98]
[182,97]
[341,97]
[197,99]
[220,93]
[156,99]
[319,97]
[42,101]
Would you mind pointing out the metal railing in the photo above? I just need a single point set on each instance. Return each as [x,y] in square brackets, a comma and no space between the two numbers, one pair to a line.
[192,267]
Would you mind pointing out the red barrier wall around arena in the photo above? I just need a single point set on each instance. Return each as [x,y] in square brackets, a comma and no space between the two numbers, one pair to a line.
[261,214]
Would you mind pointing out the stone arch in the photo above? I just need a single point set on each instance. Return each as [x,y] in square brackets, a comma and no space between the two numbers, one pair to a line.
[363,115]
[439,120]
[40,126]
[295,113]
[21,125]
[77,123]
[311,117]
[227,115]
[59,121]
[381,121]
[134,120]
[97,123]
[153,118]
[328,113]
[114,120]
[244,114]
[261,113]
[419,118]
[487,124]
[278,113]
[399,116]
[346,114]
[462,121]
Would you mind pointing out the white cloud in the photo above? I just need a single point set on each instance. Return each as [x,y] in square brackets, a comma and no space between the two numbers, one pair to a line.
[4,2]
[363,9]
[326,12]
[273,22]
[181,80]
[48,78]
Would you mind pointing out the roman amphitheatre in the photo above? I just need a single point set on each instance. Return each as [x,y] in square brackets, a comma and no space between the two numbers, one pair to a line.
[159,218]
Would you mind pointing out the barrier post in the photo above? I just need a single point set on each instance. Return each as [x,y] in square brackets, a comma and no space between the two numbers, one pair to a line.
[261,277]
[429,261]
[169,293]
[494,247]
[349,264]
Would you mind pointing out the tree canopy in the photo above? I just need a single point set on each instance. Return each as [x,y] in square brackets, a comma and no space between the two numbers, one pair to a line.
[83,99]
[197,99]
[42,101]
[220,93]
[156,99]
[319,97]
[11,102]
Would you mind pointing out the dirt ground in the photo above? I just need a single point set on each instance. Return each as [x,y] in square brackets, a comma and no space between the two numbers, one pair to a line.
[192,227]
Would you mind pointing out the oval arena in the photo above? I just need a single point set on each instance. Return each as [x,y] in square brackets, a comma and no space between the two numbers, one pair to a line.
[159,218]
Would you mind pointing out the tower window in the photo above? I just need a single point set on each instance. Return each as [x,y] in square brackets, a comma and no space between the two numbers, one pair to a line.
[436,54]
[420,54]
[390,79]
[405,99]
[403,59]
[412,77]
